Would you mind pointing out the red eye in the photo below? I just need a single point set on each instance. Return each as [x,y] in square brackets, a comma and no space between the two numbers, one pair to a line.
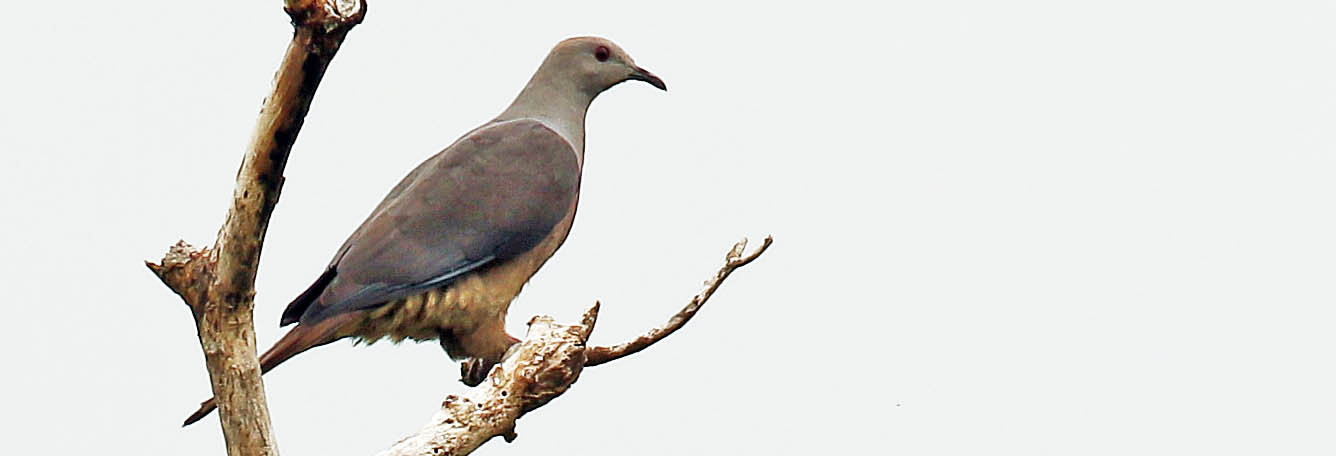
[602,53]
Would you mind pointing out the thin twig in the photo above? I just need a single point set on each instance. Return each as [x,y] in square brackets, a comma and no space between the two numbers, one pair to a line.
[540,368]
[734,260]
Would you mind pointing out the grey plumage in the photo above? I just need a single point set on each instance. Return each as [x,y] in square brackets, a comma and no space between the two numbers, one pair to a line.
[453,243]
[493,194]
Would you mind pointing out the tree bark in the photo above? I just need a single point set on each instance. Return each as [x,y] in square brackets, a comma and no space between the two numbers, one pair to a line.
[540,368]
[218,283]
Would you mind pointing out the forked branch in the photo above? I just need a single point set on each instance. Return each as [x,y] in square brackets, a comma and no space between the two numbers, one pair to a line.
[734,260]
[218,284]
[540,368]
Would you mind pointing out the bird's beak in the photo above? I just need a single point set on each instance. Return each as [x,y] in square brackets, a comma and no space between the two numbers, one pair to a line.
[641,74]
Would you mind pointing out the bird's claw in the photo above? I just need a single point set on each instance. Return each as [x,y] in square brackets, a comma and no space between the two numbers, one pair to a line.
[473,371]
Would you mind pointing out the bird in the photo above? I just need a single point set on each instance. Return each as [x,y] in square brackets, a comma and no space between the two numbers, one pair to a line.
[446,251]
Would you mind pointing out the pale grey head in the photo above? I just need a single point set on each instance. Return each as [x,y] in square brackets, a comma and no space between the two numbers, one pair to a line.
[575,72]
[596,64]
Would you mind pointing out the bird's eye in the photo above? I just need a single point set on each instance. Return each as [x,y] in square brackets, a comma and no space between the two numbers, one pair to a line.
[602,53]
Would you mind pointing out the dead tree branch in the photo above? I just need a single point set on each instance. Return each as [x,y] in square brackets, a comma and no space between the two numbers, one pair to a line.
[540,368]
[219,283]
[734,260]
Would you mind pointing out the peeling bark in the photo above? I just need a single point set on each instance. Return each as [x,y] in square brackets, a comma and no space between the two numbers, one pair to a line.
[218,283]
[540,368]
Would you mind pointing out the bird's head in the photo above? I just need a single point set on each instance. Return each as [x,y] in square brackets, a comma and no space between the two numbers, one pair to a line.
[596,64]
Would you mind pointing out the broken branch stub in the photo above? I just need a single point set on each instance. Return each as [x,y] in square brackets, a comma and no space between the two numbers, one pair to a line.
[218,283]
[541,367]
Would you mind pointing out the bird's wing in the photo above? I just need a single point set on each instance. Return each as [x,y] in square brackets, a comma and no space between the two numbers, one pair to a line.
[492,195]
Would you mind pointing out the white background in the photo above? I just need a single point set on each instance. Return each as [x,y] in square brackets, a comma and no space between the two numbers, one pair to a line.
[1033,227]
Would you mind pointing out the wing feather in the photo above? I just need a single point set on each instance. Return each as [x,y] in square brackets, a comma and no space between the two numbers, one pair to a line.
[490,196]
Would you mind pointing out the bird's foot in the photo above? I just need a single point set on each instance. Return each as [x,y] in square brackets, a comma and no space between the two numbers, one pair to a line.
[473,371]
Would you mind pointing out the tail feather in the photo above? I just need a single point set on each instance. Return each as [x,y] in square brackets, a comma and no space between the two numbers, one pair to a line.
[299,339]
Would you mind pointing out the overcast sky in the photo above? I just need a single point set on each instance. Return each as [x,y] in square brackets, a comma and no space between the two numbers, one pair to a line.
[1033,227]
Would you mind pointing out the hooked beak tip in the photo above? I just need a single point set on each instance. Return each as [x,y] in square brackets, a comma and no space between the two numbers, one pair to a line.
[641,74]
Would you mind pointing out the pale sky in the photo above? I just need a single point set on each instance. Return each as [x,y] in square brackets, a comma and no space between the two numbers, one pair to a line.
[1034,227]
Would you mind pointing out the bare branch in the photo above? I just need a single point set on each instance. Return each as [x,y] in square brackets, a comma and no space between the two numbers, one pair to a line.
[539,368]
[734,260]
[219,283]
[185,270]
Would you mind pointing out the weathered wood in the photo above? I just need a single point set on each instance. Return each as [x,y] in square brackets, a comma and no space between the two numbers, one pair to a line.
[219,283]
[732,261]
[537,370]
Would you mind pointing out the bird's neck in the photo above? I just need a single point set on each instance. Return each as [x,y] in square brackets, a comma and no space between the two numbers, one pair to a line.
[558,104]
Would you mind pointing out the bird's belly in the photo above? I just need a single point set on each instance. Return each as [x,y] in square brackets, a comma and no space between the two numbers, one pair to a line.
[463,306]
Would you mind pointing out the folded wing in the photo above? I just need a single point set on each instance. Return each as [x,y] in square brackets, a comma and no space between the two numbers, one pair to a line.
[492,195]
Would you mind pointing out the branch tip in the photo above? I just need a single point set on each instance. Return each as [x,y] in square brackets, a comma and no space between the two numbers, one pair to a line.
[736,253]
[732,261]
[218,282]
[739,262]
[537,370]
[590,318]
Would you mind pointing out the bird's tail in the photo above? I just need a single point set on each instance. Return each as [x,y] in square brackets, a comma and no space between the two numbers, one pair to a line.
[299,339]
